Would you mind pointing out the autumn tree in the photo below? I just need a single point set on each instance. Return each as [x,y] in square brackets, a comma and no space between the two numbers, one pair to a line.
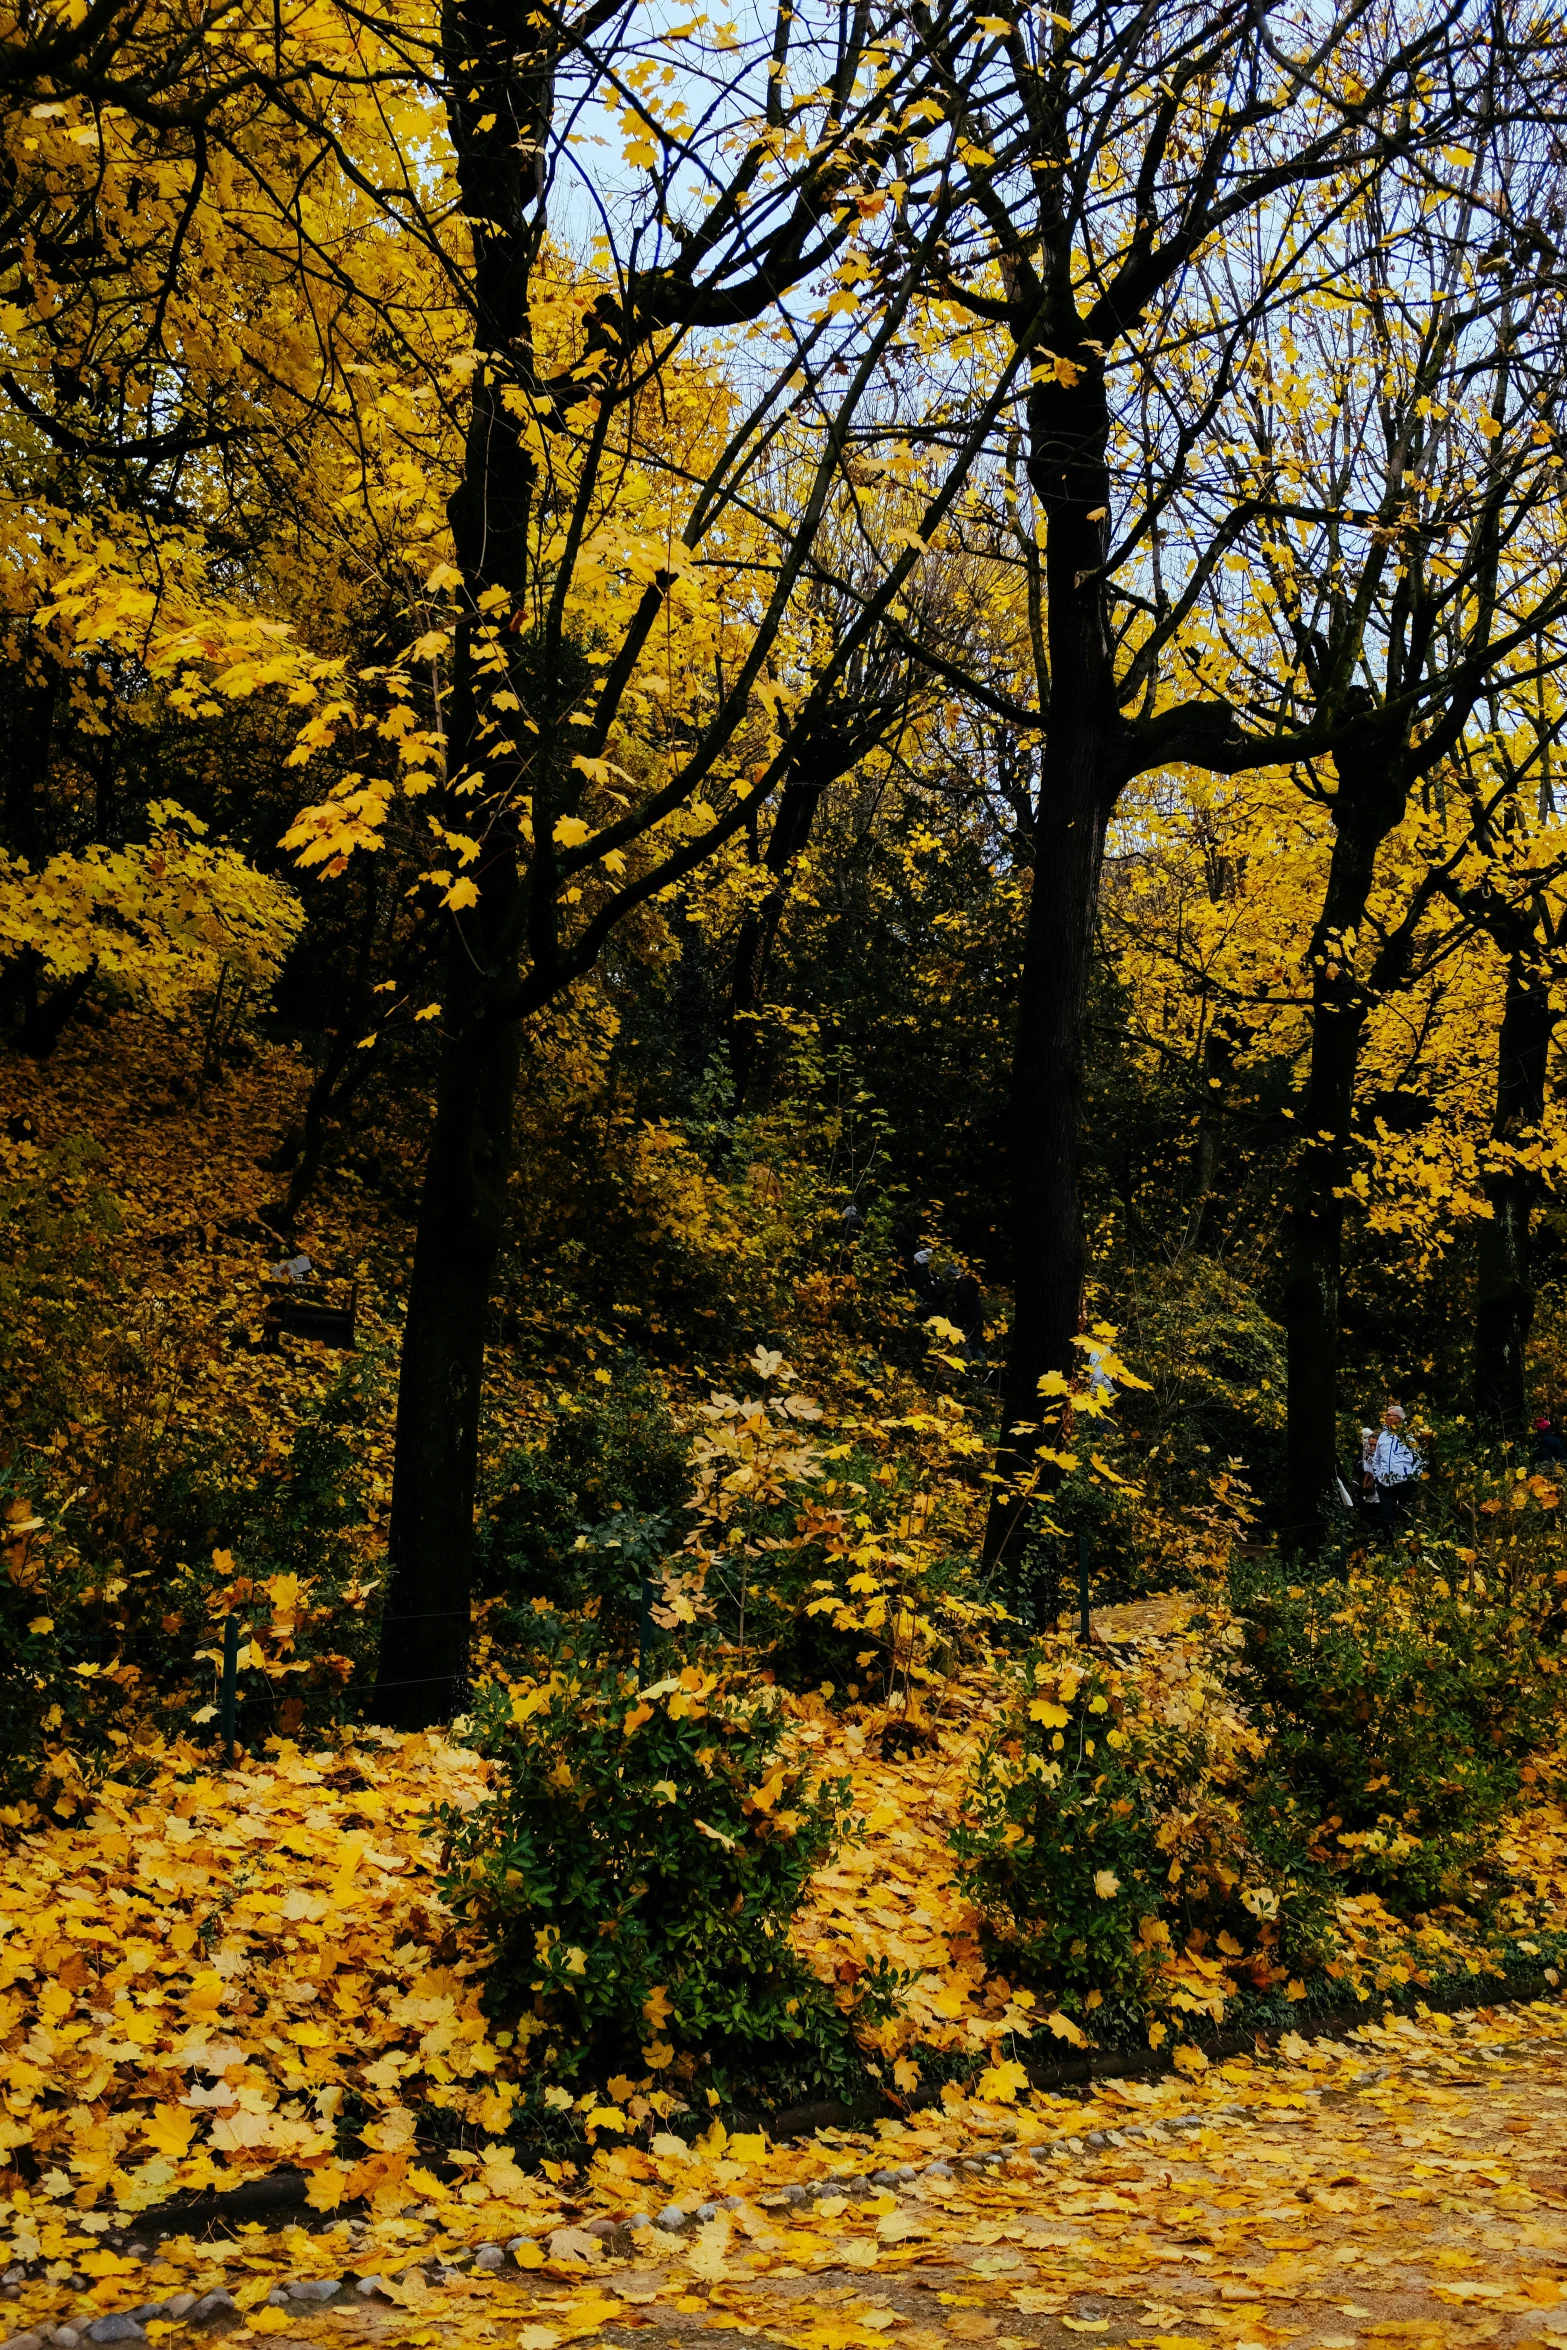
[622,680]
[1511,893]
[1169,187]
[1405,565]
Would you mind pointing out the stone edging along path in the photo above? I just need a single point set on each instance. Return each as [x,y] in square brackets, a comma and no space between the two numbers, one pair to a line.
[285,2191]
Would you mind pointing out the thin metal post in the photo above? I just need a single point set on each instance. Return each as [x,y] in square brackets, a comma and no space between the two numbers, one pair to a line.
[230,1681]
[1084,1624]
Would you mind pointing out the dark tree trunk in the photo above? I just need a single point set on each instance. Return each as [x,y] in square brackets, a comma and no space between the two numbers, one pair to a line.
[1219,1049]
[1049,1250]
[340,1076]
[332,1086]
[424,1636]
[48,1016]
[1366,809]
[1504,1303]
[1079,783]
[498,110]
[797,807]
[30,710]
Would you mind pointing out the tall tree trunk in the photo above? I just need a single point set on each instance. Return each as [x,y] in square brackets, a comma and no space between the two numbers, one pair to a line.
[49,1016]
[1220,1046]
[1365,812]
[791,830]
[1504,1303]
[424,1636]
[1048,1247]
[498,110]
[1079,782]
[305,1147]
[32,694]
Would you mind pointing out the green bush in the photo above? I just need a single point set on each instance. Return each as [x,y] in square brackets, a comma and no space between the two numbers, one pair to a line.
[48,1628]
[636,1869]
[1103,1835]
[577,1518]
[1400,1702]
[830,1562]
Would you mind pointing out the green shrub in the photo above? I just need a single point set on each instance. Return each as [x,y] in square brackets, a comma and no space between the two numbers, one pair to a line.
[1400,1702]
[274,1538]
[611,1453]
[636,1869]
[833,1563]
[48,1629]
[1103,1836]
[1044,1582]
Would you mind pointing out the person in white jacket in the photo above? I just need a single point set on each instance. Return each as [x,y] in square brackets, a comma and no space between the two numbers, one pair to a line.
[1394,1467]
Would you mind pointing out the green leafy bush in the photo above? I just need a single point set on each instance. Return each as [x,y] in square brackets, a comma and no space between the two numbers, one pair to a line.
[1103,1836]
[48,1629]
[612,1453]
[833,1562]
[636,1869]
[1400,1703]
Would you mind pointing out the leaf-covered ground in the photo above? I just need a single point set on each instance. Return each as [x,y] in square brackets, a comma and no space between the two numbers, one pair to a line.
[1403,2186]
[206,1973]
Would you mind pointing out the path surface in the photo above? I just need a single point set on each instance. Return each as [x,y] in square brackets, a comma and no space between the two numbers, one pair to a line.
[1404,2186]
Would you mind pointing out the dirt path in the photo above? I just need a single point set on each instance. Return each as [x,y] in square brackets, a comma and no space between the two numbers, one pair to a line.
[1403,2187]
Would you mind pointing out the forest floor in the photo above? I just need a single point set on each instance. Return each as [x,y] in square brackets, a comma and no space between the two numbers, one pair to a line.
[1407,2184]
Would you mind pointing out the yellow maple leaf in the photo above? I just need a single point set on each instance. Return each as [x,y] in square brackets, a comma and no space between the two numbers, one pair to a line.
[708,2253]
[326,2186]
[1001,2083]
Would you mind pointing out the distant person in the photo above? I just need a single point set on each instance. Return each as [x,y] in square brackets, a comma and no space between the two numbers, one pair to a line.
[1364,1483]
[926,1286]
[1355,1488]
[968,1308]
[1548,1449]
[1395,1470]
